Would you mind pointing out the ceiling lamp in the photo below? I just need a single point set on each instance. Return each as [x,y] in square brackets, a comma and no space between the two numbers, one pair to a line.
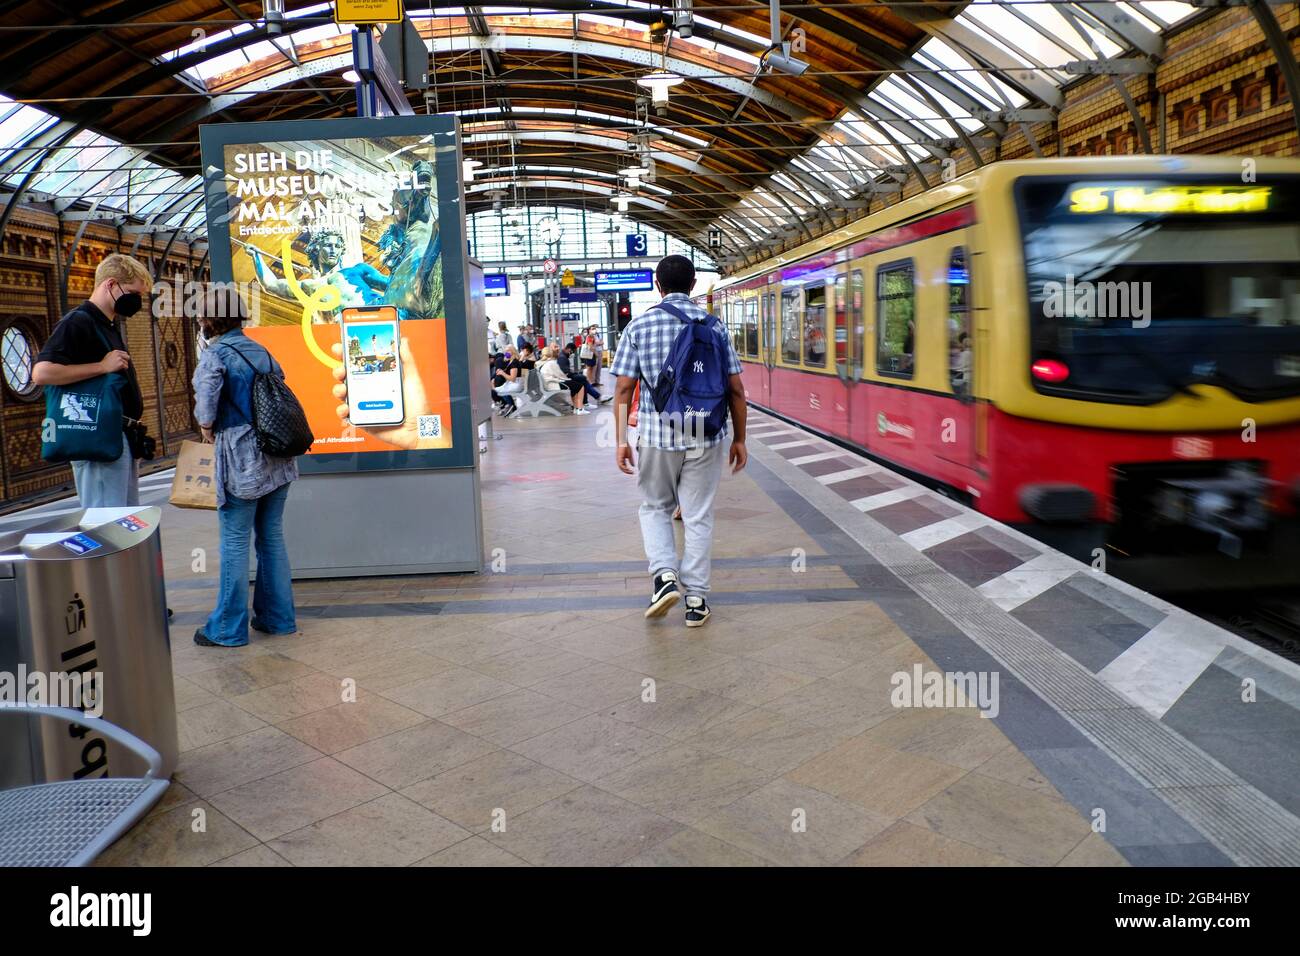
[658,83]
[622,202]
[468,167]
[351,76]
[273,16]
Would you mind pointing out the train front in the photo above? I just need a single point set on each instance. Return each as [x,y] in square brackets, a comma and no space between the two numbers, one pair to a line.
[1148,414]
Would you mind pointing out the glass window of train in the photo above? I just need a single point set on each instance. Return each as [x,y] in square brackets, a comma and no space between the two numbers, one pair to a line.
[857,311]
[959,339]
[733,322]
[843,360]
[814,326]
[751,327]
[896,320]
[791,337]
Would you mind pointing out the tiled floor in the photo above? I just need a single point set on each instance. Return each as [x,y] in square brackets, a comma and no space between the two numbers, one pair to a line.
[531,716]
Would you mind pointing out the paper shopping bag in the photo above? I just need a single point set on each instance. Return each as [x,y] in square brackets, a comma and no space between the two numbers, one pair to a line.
[196,475]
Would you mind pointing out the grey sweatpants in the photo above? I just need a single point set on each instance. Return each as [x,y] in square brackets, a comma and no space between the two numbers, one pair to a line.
[689,478]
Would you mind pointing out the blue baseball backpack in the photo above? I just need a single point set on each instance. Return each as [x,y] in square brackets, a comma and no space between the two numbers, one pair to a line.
[692,387]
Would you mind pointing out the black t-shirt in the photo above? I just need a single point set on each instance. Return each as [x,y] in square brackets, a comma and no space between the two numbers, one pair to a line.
[519,365]
[75,341]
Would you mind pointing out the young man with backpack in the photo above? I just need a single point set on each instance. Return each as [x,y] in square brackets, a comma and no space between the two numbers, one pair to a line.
[690,383]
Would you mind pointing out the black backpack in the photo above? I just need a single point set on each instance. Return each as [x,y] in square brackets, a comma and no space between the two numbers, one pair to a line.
[277,416]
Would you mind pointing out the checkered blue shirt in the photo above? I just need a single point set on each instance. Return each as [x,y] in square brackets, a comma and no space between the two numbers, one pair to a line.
[642,351]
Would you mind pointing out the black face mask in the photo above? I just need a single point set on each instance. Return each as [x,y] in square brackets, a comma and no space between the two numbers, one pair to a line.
[128,304]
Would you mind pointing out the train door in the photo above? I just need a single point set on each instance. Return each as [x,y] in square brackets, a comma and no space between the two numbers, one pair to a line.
[749,342]
[958,438]
[860,411]
[769,344]
[848,346]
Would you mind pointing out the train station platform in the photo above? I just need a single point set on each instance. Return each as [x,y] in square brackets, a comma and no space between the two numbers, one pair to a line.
[530,715]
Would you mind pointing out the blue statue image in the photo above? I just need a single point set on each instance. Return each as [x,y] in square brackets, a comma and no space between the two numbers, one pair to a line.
[411,248]
[359,284]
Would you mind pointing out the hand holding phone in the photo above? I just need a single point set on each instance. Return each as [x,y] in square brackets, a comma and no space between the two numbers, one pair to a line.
[414,402]
[372,365]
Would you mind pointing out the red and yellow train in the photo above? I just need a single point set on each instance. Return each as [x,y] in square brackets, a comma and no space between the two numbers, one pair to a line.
[1102,351]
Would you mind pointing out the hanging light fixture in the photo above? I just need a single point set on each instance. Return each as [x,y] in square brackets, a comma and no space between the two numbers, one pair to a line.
[273,16]
[467,169]
[658,83]
[351,76]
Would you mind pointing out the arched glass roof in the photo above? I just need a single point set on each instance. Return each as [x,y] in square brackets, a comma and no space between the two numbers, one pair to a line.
[551,108]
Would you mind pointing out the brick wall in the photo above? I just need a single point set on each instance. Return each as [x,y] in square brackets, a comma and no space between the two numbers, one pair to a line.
[34,265]
[1218,90]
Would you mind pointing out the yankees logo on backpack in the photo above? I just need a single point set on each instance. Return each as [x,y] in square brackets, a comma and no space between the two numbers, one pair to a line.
[694,400]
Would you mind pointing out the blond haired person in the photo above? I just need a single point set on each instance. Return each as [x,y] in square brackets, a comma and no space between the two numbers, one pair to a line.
[554,379]
[88,342]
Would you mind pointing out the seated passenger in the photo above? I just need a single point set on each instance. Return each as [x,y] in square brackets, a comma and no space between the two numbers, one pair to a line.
[565,359]
[554,379]
[506,382]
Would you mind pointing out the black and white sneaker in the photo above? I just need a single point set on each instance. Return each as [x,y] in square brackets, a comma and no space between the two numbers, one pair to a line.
[663,594]
[697,611]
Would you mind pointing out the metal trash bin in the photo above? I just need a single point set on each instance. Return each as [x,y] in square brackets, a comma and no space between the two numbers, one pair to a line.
[83,595]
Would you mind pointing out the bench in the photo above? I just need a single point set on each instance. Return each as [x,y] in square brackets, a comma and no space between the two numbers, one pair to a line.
[534,401]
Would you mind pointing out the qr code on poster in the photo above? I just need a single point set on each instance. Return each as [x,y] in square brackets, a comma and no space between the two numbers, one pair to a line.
[430,426]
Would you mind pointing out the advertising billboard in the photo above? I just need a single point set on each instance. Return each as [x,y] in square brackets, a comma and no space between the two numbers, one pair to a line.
[635,280]
[345,238]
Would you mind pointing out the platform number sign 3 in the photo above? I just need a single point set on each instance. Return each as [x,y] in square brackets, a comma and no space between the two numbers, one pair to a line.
[638,245]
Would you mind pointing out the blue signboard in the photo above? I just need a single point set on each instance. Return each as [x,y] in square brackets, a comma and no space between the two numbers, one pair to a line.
[635,280]
[577,295]
[638,245]
[496,283]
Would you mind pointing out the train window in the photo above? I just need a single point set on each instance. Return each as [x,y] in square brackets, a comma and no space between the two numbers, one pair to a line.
[791,339]
[896,322]
[751,327]
[959,339]
[842,358]
[814,326]
[857,312]
[733,324]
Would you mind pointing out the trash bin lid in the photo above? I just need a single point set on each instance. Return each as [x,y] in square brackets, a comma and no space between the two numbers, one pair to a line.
[92,533]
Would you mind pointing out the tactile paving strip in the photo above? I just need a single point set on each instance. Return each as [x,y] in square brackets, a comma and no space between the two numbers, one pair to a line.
[1248,826]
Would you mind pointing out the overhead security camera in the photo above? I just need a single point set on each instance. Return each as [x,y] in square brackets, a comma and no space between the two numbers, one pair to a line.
[779,60]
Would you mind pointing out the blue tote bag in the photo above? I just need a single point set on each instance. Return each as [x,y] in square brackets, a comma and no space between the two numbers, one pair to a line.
[83,421]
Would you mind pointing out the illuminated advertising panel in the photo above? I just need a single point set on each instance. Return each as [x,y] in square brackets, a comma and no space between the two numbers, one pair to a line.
[344,239]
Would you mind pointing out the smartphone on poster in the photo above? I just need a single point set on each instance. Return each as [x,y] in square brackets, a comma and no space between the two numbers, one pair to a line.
[372,358]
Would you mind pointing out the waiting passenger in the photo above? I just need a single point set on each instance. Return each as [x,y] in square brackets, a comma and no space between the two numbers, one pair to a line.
[252,488]
[565,359]
[512,379]
[90,342]
[503,338]
[554,379]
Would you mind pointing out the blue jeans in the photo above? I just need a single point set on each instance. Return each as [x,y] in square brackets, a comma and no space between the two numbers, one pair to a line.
[108,484]
[240,519]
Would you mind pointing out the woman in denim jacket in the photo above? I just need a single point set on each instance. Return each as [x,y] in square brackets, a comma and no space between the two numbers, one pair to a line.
[251,488]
